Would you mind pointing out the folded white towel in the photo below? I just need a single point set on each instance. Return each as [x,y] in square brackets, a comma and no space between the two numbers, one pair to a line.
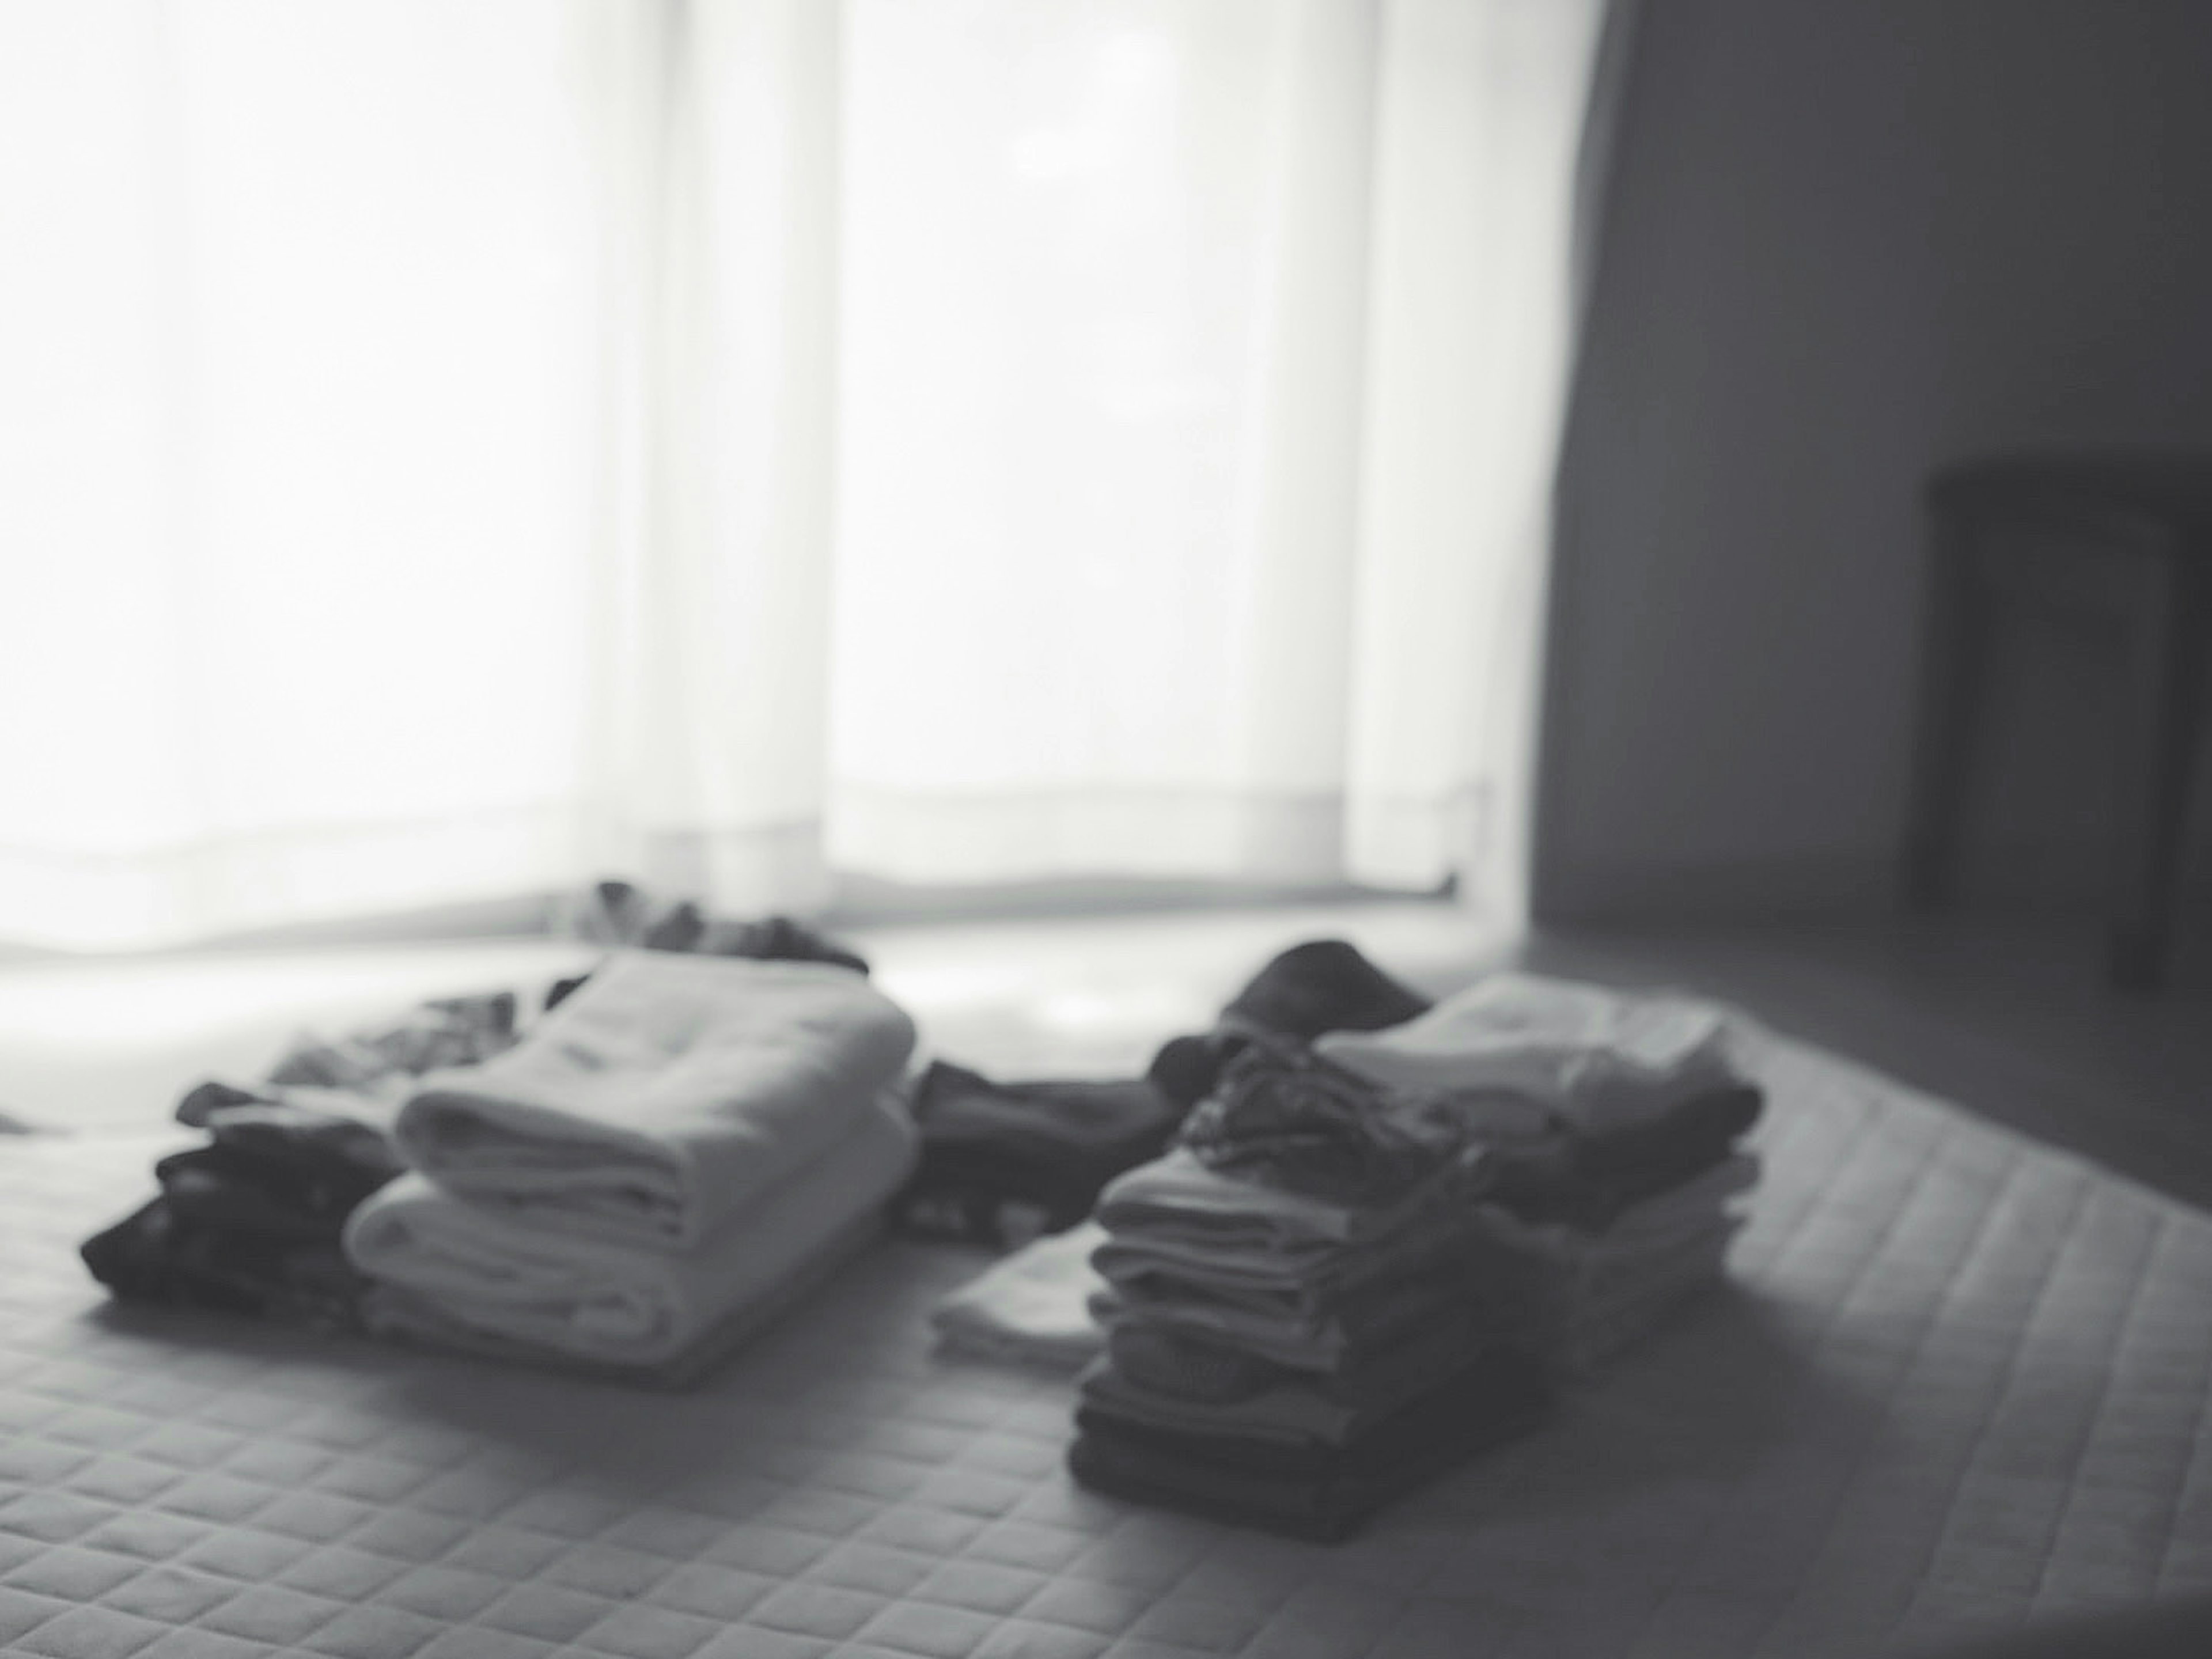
[394,1312]
[1602,1060]
[1030,1308]
[613,1303]
[662,1098]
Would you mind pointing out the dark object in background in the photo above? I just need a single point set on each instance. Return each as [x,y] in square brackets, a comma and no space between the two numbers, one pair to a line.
[2127,536]
[1323,985]
[621,915]
[1003,1162]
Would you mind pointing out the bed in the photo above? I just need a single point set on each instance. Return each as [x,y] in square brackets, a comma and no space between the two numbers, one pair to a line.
[1956,1378]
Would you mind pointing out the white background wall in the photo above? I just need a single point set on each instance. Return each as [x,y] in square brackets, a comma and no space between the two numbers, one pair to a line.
[1847,240]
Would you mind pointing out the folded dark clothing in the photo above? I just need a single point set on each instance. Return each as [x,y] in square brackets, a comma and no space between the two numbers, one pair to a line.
[275,1168]
[1323,985]
[157,1256]
[1002,1158]
[296,1189]
[1330,1338]
[300,1143]
[1185,1366]
[1315,1491]
[1587,1181]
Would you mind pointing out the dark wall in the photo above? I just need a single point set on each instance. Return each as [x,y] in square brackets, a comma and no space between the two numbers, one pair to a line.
[1847,240]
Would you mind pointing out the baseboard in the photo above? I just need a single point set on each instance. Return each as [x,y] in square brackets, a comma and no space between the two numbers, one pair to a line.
[1718,890]
[2036,879]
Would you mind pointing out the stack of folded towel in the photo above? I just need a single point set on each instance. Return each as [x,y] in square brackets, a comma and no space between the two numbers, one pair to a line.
[249,1222]
[1294,1333]
[1596,1232]
[681,1146]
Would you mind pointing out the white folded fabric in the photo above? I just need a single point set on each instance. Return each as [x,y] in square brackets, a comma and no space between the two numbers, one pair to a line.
[1030,1308]
[619,1304]
[662,1098]
[393,1312]
[1602,1060]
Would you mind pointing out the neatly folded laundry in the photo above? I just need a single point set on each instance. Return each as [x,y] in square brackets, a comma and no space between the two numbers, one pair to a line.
[1578,1299]
[1178,1197]
[1293,1407]
[1178,1365]
[574,1293]
[1326,1339]
[664,1097]
[292,1195]
[1030,1308]
[1685,1211]
[333,1141]
[157,1257]
[1305,1277]
[398,1314]
[1587,1181]
[1323,985]
[1603,1059]
[1003,1162]
[1315,1491]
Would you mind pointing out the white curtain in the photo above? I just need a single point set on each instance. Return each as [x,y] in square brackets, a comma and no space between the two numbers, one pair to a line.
[450,448]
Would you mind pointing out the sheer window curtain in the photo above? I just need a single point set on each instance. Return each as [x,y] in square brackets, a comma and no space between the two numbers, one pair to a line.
[456,448]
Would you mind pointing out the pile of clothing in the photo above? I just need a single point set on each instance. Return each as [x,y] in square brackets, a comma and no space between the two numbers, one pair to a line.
[680,1149]
[249,1222]
[690,1135]
[1378,1248]
[1294,1332]
[1023,1164]
[1615,1199]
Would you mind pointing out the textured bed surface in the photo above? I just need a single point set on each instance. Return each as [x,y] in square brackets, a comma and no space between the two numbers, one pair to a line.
[1956,1377]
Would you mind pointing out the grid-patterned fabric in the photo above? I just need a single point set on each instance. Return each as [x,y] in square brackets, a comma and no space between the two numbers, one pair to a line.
[1957,1376]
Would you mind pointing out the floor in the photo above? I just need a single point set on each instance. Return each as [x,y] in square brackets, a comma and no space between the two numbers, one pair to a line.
[2006,1016]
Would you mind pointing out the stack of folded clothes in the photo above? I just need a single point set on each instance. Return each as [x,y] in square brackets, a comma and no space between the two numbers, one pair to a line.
[671,1155]
[250,1221]
[1594,1233]
[1379,1247]
[1296,1332]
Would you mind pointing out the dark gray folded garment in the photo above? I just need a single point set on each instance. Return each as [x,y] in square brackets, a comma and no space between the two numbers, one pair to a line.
[1314,1490]
[154,1255]
[1003,1159]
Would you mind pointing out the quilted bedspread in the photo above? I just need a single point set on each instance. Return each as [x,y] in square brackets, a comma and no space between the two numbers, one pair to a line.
[1956,1376]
